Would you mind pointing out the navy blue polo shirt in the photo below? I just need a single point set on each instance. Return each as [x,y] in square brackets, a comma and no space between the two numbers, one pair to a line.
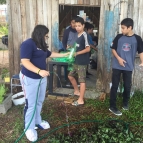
[29,50]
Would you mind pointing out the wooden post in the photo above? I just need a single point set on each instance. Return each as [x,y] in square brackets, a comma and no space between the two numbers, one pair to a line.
[55,24]
[79,1]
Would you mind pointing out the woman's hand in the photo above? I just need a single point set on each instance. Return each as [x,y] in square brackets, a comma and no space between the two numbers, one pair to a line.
[66,54]
[44,73]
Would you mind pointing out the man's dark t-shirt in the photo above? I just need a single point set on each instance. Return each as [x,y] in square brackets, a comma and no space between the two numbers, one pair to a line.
[82,43]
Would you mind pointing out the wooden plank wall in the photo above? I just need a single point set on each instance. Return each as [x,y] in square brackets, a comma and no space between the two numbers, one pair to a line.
[128,8]
[23,16]
[80,2]
[135,11]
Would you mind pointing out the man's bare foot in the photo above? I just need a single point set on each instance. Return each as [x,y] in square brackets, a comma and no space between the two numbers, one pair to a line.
[77,93]
[76,103]
[80,101]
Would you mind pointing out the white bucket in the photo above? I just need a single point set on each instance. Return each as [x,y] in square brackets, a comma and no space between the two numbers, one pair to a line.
[19,101]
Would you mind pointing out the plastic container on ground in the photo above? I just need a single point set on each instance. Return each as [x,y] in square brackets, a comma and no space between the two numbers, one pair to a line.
[19,98]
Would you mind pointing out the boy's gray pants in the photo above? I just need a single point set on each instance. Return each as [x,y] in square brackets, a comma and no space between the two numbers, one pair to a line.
[30,87]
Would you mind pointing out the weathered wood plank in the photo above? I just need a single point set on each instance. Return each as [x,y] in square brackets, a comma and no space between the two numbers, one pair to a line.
[49,11]
[136,16]
[99,2]
[16,33]
[55,24]
[130,8]
[61,1]
[75,1]
[100,47]
[92,2]
[96,2]
[68,1]
[33,20]
[40,11]
[23,19]
[79,1]
[28,26]
[140,19]
[86,2]
[10,37]
[45,13]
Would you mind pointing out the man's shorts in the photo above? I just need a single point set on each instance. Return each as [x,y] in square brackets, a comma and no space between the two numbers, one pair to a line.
[80,71]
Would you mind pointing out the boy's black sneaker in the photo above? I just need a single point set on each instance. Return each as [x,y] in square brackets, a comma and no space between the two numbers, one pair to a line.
[115,111]
[125,107]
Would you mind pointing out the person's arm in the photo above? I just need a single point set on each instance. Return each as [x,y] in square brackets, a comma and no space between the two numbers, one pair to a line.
[91,42]
[93,47]
[120,60]
[140,48]
[114,46]
[86,50]
[141,58]
[58,55]
[28,65]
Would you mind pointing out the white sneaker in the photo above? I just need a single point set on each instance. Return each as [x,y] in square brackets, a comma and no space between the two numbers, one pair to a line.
[31,135]
[44,125]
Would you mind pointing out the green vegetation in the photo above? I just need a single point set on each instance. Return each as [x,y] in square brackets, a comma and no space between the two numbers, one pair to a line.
[109,132]
[103,127]
[2,1]
[3,30]
[4,73]
[3,91]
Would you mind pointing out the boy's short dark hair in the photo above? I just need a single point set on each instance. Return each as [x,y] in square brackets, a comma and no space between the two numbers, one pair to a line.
[128,22]
[80,20]
[74,18]
[90,26]
[87,24]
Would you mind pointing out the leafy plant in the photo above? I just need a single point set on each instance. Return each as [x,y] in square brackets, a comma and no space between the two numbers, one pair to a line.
[2,1]
[3,91]
[4,30]
[109,132]
[4,73]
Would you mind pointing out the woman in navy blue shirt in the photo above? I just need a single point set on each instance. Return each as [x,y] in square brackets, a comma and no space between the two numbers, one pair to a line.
[33,54]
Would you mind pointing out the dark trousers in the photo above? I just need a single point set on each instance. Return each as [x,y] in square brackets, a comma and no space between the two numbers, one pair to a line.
[127,78]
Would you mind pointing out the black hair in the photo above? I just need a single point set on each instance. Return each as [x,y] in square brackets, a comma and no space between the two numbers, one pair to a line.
[80,20]
[128,22]
[87,24]
[74,18]
[90,26]
[38,36]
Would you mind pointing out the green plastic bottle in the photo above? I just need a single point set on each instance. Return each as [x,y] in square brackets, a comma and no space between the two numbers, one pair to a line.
[72,51]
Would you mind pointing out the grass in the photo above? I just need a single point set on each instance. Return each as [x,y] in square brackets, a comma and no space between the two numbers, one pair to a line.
[54,112]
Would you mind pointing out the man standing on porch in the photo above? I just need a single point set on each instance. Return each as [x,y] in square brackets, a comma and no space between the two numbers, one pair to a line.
[70,35]
[124,48]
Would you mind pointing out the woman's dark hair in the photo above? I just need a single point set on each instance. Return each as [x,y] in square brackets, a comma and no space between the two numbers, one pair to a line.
[38,35]
[128,22]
